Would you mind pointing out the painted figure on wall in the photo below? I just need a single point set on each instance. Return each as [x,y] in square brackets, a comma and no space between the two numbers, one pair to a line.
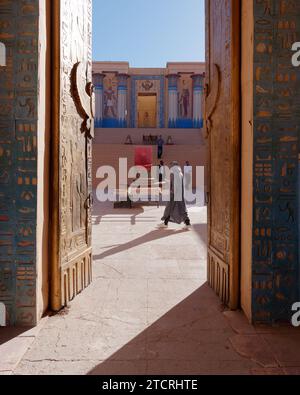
[110,103]
[184,98]
[110,96]
[184,103]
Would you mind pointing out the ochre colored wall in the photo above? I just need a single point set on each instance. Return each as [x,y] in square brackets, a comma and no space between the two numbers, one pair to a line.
[109,154]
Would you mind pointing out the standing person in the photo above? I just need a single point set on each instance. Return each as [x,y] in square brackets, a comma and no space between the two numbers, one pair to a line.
[161,172]
[160,147]
[188,171]
[176,210]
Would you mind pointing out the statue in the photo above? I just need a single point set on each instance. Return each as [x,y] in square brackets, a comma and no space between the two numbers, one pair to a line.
[128,140]
[170,141]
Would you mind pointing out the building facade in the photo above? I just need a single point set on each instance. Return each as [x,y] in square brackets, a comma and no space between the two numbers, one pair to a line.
[170,97]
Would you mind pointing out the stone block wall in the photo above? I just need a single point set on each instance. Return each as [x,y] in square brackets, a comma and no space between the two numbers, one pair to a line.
[19,25]
[275,264]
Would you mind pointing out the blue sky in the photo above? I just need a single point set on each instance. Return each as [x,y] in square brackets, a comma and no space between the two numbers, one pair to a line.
[148,33]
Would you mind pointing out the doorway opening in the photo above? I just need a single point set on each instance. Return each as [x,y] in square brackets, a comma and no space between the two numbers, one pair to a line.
[147,112]
[144,271]
[172,101]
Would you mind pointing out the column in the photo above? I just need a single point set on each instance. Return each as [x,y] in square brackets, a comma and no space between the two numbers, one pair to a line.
[198,81]
[173,100]
[122,100]
[98,83]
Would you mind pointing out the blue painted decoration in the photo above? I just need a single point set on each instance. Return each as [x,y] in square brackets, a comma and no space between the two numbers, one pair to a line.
[159,78]
[19,29]
[275,270]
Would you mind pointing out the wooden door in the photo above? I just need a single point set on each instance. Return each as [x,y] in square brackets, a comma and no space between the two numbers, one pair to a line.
[72,132]
[223,132]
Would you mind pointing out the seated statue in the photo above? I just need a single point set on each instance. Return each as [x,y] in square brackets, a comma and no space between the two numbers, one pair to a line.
[128,140]
[170,141]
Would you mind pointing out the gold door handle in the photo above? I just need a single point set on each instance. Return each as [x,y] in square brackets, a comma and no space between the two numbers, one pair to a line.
[212,97]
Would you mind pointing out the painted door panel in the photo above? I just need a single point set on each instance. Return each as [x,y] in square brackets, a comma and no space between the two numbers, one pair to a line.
[71,269]
[223,133]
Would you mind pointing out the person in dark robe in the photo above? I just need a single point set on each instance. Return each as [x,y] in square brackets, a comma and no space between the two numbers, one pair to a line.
[176,211]
[161,172]
[160,147]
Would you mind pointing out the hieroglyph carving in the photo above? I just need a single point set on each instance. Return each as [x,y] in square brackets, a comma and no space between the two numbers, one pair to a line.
[223,133]
[19,86]
[275,263]
[76,113]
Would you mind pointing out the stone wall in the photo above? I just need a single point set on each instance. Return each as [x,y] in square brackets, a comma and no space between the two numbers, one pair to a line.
[275,265]
[19,25]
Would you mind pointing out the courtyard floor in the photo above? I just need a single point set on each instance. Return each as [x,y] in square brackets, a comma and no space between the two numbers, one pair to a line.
[149,310]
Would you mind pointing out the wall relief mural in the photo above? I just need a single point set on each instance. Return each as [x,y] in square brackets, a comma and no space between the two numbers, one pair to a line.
[110,96]
[185,97]
[71,269]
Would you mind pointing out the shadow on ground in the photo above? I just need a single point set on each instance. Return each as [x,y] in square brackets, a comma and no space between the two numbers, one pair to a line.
[106,210]
[192,338]
[9,333]
[156,234]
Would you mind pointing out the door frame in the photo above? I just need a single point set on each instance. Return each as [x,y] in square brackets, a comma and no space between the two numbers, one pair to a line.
[55,278]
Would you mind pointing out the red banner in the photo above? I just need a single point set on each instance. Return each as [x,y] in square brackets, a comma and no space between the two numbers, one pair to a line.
[143,157]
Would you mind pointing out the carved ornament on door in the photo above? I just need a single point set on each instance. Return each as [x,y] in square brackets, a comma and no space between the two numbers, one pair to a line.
[84,96]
